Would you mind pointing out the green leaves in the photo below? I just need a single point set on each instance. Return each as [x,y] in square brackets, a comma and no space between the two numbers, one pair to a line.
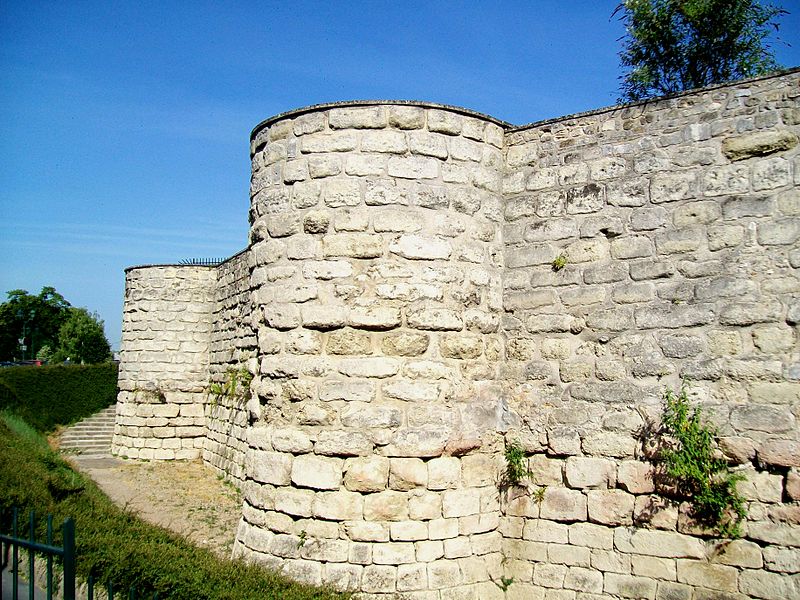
[676,45]
[692,466]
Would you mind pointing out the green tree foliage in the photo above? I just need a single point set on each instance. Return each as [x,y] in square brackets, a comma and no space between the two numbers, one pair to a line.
[81,339]
[51,328]
[36,319]
[676,45]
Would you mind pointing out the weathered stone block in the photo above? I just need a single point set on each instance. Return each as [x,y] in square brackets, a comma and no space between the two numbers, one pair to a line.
[353,245]
[560,504]
[589,472]
[610,507]
[317,472]
[758,144]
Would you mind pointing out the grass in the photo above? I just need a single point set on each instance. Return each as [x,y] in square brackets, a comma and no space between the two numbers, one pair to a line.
[116,546]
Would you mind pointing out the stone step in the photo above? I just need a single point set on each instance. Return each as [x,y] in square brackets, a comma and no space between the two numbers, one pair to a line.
[92,436]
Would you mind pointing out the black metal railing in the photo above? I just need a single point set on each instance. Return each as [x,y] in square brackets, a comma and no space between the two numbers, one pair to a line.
[65,554]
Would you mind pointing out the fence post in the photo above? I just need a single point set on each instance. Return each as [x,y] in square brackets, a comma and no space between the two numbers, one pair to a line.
[69,559]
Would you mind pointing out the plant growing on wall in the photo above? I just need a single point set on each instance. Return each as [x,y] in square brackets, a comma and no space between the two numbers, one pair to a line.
[516,464]
[688,453]
[559,262]
[234,386]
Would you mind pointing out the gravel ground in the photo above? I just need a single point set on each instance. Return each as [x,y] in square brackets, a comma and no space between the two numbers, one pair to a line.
[183,496]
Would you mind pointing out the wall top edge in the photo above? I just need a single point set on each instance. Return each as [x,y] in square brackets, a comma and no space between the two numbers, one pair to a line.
[509,127]
[355,103]
[214,266]
[692,92]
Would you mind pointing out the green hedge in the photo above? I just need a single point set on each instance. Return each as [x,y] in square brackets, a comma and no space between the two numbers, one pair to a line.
[59,394]
[116,546]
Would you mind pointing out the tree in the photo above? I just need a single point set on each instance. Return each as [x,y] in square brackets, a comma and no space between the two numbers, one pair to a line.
[676,45]
[34,319]
[81,339]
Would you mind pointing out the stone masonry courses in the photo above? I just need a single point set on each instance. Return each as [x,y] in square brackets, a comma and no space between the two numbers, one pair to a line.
[423,284]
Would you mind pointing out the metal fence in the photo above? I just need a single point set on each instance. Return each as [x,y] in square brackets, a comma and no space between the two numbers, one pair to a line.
[64,556]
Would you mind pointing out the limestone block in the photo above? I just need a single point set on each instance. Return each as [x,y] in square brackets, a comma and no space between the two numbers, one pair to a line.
[634,246]
[460,503]
[293,501]
[596,473]
[636,476]
[386,506]
[348,341]
[405,344]
[365,416]
[366,474]
[364,165]
[738,553]
[407,473]
[629,586]
[354,245]
[374,317]
[406,117]
[427,144]
[610,507]
[591,536]
[434,319]
[342,443]
[411,577]
[394,220]
[389,142]
[665,544]
[377,367]
[726,180]
[408,531]
[269,467]
[338,142]
[411,391]
[563,554]
[324,166]
[461,346]
[549,575]
[418,442]
[342,577]
[561,504]
[444,473]
[443,574]
[783,560]
[293,441]
[761,143]
[379,579]
[782,453]
[317,472]
[393,553]
[418,247]
[360,117]
[413,167]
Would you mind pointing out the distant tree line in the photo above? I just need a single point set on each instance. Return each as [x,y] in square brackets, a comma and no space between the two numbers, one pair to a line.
[47,327]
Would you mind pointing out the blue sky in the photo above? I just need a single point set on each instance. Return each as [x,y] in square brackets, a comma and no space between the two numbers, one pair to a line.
[124,126]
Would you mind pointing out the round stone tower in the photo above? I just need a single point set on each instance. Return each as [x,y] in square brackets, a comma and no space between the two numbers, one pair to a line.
[375,263]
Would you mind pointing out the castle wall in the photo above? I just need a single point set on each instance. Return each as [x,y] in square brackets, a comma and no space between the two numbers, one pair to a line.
[164,356]
[377,283]
[402,315]
[232,352]
[681,253]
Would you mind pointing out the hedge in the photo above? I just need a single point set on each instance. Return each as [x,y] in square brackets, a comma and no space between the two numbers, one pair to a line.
[57,395]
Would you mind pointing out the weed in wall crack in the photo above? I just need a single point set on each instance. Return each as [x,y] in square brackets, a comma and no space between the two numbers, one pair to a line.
[687,452]
[516,464]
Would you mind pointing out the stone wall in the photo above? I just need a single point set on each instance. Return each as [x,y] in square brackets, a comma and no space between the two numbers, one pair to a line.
[678,223]
[377,258]
[403,315]
[233,348]
[164,358]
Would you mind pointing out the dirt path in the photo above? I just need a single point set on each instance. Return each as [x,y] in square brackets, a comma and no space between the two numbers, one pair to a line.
[185,497]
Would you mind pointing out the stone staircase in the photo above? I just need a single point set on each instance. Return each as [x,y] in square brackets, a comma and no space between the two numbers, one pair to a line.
[92,436]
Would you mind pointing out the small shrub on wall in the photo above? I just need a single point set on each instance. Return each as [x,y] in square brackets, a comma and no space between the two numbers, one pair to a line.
[57,395]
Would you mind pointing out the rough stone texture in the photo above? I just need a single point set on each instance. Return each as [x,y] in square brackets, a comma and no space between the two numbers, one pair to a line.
[401,318]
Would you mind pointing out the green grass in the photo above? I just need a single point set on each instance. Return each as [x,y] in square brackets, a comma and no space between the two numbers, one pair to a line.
[116,546]
[57,395]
